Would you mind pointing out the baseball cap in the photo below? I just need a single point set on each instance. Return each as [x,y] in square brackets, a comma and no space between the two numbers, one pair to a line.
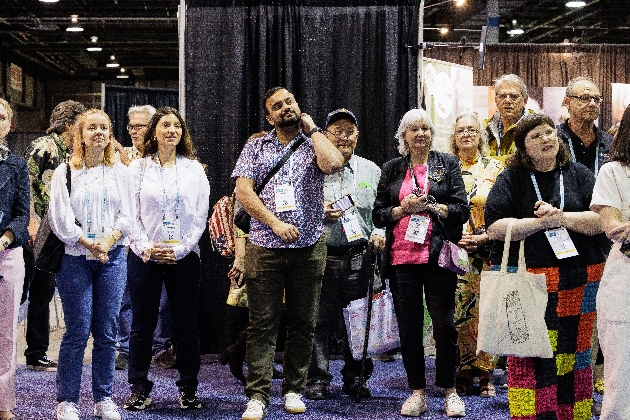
[339,114]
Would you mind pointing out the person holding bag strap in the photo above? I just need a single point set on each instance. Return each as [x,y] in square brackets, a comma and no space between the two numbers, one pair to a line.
[549,196]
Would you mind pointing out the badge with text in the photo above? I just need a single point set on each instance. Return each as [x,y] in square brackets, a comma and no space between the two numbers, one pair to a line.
[285,198]
[92,236]
[351,226]
[417,229]
[561,243]
[171,234]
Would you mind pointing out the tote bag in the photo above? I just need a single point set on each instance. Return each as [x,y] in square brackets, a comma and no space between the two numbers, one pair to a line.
[512,309]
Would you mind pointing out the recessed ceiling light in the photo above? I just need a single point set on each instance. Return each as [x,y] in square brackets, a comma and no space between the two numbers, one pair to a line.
[94,49]
[516,31]
[48,1]
[112,62]
[575,4]
[74,24]
[122,74]
[459,3]
[443,30]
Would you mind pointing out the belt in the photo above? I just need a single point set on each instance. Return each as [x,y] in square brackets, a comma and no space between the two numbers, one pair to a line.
[343,251]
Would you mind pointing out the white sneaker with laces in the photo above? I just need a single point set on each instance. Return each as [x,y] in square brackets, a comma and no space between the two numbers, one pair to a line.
[106,409]
[255,410]
[67,410]
[454,406]
[293,403]
[415,405]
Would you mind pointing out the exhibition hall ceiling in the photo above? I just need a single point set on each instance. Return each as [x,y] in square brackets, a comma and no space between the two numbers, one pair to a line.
[142,34]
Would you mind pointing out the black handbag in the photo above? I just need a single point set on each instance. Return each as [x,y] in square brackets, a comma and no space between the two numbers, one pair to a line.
[48,250]
[242,219]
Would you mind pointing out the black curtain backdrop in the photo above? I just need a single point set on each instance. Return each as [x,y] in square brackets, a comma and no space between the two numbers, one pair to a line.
[118,100]
[329,56]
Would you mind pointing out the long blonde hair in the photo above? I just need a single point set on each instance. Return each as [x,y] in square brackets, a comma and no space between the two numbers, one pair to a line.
[78,146]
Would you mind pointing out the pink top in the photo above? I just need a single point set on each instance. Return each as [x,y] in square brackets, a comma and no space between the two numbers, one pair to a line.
[403,251]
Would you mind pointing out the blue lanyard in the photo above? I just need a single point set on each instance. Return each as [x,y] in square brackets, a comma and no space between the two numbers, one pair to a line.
[88,200]
[561,189]
[596,155]
[164,189]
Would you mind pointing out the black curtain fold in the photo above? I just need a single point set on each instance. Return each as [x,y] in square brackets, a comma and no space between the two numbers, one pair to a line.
[352,56]
[118,100]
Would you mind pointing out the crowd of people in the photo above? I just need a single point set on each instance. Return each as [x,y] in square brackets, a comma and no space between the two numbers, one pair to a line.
[131,219]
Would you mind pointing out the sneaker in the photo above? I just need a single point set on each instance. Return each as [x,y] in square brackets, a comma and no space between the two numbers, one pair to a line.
[43,363]
[122,361]
[67,410]
[106,409]
[352,389]
[293,403]
[255,410]
[316,391]
[189,400]
[165,359]
[414,406]
[454,406]
[137,401]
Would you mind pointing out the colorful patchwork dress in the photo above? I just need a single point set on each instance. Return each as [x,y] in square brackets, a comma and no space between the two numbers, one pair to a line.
[559,388]
[479,177]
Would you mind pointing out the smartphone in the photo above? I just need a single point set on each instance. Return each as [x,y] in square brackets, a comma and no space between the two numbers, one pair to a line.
[344,203]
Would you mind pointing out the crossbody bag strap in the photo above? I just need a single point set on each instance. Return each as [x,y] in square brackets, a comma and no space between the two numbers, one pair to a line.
[69,187]
[282,161]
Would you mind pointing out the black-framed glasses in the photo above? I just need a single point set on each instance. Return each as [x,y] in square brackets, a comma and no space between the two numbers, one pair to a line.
[136,127]
[585,99]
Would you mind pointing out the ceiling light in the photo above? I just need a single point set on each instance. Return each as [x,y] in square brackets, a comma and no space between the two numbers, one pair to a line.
[122,74]
[443,30]
[459,3]
[49,1]
[94,48]
[112,62]
[74,24]
[515,29]
[575,4]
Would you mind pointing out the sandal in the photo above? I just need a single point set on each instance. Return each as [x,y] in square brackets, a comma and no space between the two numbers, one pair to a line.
[463,385]
[486,389]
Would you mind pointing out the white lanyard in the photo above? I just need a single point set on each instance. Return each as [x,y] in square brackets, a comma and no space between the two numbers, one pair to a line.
[164,189]
[596,154]
[561,188]
[88,199]
[338,187]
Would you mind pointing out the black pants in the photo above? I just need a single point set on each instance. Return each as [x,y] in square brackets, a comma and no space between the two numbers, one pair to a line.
[41,292]
[341,285]
[182,287]
[408,284]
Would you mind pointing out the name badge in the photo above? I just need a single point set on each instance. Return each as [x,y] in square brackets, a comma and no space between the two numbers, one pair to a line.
[171,234]
[285,198]
[561,243]
[93,237]
[417,229]
[351,226]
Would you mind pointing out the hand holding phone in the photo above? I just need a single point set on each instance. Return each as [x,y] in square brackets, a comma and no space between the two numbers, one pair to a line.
[344,203]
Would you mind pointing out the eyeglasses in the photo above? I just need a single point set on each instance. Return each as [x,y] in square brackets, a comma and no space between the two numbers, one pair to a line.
[340,134]
[512,96]
[585,99]
[469,131]
[547,134]
[136,127]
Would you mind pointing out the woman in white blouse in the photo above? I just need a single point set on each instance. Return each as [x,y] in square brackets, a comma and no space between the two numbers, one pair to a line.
[91,214]
[171,197]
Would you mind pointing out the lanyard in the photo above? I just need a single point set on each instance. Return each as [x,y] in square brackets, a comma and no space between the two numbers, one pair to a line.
[88,199]
[415,181]
[338,187]
[561,189]
[164,189]
[596,154]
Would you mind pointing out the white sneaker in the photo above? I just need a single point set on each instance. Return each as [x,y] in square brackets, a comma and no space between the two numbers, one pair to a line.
[293,403]
[454,406]
[106,409]
[255,410]
[67,410]
[414,406]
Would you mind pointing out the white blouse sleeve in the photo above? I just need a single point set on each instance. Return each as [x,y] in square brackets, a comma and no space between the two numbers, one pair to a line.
[126,214]
[60,213]
[606,191]
[191,239]
[139,237]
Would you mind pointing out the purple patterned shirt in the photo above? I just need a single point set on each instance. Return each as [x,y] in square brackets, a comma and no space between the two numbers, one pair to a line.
[258,157]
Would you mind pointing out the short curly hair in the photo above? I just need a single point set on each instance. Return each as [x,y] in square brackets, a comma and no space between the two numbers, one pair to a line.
[64,112]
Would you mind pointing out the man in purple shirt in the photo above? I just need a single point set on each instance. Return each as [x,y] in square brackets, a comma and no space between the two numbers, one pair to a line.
[286,252]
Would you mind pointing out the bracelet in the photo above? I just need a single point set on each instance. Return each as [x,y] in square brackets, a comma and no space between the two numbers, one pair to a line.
[316,128]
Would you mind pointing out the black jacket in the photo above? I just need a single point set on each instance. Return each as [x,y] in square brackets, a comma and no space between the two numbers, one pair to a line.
[445,184]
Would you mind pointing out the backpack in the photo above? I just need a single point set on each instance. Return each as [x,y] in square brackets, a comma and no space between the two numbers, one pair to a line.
[221,227]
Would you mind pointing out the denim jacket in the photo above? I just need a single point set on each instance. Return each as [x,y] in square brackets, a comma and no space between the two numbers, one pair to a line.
[14,198]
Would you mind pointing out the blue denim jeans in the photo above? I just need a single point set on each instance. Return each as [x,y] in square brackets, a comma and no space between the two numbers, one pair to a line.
[90,295]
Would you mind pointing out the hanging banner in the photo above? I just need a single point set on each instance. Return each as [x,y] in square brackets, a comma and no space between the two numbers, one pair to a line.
[448,91]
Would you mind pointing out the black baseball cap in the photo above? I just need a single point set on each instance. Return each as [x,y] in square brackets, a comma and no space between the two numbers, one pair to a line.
[339,114]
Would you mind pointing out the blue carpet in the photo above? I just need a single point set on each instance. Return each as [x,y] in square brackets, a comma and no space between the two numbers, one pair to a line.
[223,397]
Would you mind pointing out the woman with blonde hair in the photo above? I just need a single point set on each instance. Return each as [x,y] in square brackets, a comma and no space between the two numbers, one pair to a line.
[90,211]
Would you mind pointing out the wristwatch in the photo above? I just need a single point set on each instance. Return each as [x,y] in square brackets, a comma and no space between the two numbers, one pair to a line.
[316,128]
[5,243]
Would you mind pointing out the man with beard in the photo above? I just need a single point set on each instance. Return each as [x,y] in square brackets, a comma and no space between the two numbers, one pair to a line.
[286,252]
[510,96]
[347,237]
